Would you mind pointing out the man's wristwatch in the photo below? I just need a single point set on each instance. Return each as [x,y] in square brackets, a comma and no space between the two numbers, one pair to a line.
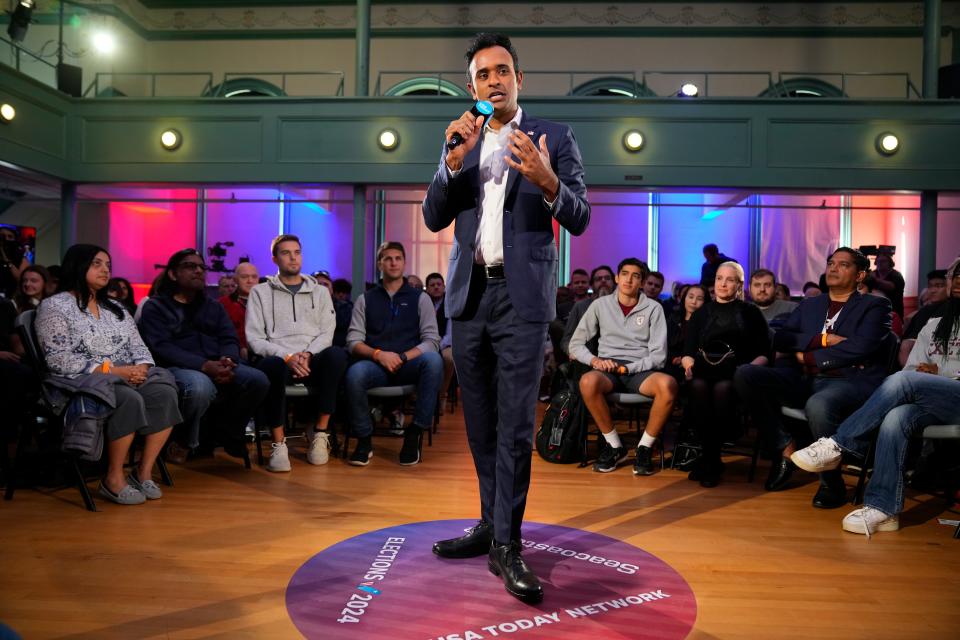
[403,356]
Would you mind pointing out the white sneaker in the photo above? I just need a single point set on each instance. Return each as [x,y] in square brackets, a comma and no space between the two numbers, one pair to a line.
[867,521]
[319,451]
[822,455]
[279,461]
[396,423]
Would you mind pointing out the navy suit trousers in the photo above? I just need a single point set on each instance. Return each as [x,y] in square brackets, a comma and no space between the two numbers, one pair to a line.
[499,361]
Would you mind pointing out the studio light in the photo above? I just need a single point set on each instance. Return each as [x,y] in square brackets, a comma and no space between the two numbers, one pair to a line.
[887,143]
[7,112]
[633,140]
[388,139]
[170,139]
[688,90]
[104,42]
[20,20]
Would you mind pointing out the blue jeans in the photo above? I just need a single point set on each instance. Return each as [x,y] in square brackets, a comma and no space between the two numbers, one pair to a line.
[239,399]
[901,407]
[425,371]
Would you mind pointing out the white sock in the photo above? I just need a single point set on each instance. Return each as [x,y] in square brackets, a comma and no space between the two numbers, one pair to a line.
[647,440]
[613,439]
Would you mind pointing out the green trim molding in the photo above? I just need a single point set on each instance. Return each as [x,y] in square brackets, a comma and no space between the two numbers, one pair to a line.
[750,143]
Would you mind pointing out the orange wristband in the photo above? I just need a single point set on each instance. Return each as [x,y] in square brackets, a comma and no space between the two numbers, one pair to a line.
[106,366]
[375,352]
[823,339]
[287,359]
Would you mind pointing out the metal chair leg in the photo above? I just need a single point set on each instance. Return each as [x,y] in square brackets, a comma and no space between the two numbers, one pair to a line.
[258,442]
[82,486]
[164,472]
[862,476]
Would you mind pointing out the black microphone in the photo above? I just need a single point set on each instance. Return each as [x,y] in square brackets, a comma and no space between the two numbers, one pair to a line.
[481,108]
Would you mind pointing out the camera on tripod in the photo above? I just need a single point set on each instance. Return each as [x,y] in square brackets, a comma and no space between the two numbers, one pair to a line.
[218,254]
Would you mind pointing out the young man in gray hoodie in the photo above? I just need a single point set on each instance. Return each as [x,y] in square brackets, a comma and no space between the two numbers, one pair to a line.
[632,350]
[290,324]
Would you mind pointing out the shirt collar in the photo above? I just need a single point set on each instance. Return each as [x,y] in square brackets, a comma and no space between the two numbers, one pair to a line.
[513,124]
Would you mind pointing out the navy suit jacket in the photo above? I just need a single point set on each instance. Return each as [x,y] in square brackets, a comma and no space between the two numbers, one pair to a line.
[864,322]
[529,251]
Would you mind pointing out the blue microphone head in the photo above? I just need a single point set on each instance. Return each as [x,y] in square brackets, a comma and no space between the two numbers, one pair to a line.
[484,107]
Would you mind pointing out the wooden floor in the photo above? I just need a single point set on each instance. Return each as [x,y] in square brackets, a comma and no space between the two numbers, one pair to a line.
[213,557]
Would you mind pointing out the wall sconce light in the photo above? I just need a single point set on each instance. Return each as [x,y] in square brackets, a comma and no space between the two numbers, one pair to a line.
[170,139]
[7,112]
[887,143]
[388,139]
[633,140]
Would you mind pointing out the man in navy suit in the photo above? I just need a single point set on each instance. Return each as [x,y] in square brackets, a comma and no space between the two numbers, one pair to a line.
[503,187]
[833,351]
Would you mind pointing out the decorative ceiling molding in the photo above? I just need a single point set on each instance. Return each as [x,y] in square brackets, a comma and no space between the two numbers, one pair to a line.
[767,19]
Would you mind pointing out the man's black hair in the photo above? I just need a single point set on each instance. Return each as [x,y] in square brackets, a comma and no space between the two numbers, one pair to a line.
[433,276]
[487,40]
[862,261]
[937,274]
[636,262]
[593,274]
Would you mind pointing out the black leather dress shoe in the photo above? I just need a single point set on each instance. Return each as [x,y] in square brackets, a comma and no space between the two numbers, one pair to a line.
[825,498]
[475,542]
[520,582]
[780,473]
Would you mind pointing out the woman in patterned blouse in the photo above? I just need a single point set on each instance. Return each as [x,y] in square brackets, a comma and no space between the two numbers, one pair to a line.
[84,332]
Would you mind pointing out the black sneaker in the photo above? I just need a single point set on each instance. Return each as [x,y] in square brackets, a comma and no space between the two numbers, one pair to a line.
[609,458]
[643,465]
[412,442]
[362,453]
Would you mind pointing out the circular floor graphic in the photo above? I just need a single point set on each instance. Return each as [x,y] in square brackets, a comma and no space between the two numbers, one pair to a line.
[388,584]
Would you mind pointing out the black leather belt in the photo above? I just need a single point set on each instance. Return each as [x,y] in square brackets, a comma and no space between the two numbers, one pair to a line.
[493,271]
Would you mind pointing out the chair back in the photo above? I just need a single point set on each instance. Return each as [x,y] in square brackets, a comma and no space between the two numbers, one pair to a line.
[31,346]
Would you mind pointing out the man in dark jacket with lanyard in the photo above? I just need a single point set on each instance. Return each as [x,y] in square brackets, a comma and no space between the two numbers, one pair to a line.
[192,335]
[504,187]
[833,351]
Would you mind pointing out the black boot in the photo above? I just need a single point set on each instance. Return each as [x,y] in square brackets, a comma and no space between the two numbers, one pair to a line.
[475,543]
[518,579]
[411,450]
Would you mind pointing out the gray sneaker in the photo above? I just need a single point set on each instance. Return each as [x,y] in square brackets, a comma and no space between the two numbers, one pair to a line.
[127,495]
[149,488]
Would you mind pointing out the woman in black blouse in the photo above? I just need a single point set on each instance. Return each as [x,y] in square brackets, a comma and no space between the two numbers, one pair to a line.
[721,335]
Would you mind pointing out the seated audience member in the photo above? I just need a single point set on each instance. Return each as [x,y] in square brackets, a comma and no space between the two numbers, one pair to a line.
[630,354]
[653,285]
[32,289]
[226,285]
[121,290]
[436,289]
[53,279]
[763,294]
[674,301]
[191,334]
[393,339]
[896,322]
[91,346]
[343,306]
[323,279]
[236,303]
[811,290]
[693,296]
[721,335]
[712,261]
[783,292]
[579,285]
[152,291]
[926,392]
[888,281]
[937,291]
[602,283]
[290,325]
[18,382]
[415,282]
[13,260]
[831,357]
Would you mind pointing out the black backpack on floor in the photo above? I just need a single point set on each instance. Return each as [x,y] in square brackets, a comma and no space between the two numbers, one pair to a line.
[562,437]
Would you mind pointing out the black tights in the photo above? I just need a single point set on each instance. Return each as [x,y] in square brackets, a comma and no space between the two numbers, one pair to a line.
[711,407]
